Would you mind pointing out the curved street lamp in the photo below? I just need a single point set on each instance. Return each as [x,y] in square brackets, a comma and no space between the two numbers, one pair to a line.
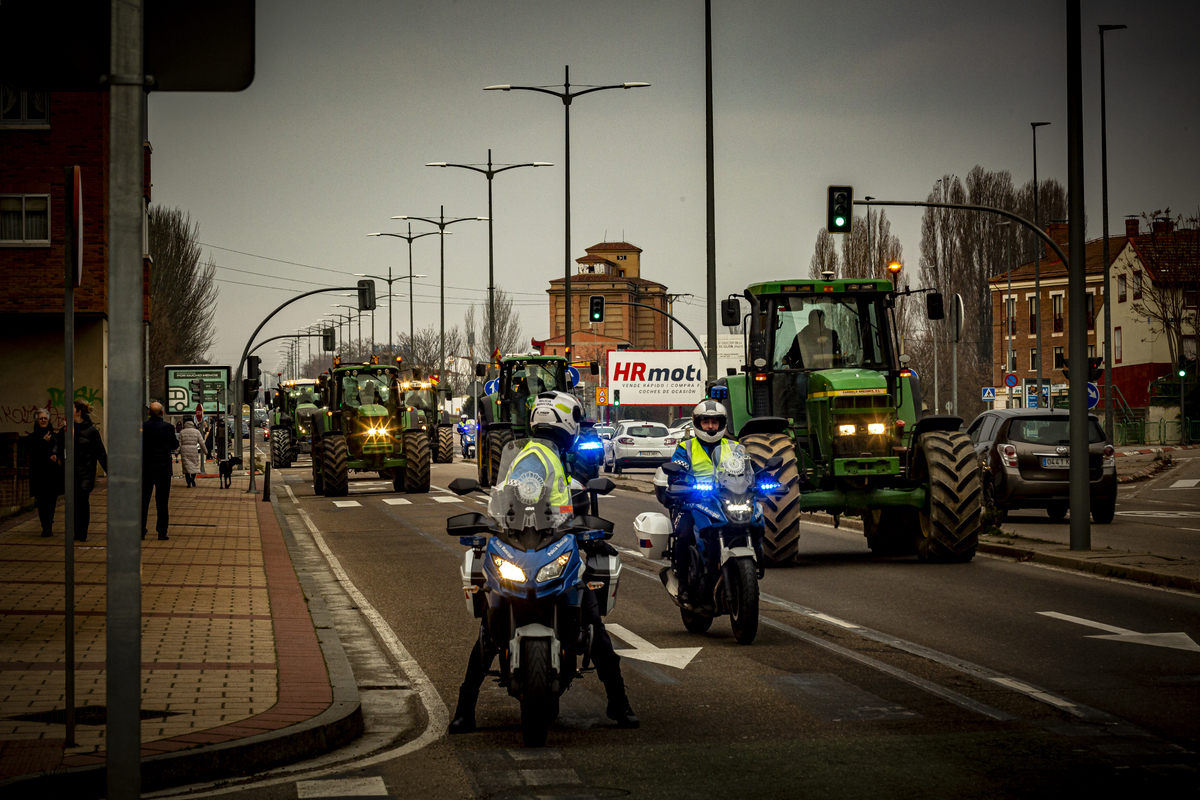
[490,173]
[566,95]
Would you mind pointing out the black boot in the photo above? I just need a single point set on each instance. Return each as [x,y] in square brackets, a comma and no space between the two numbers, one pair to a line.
[619,710]
[464,714]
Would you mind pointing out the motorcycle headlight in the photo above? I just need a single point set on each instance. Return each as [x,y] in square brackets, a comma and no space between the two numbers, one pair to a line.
[553,569]
[508,570]
[739,511]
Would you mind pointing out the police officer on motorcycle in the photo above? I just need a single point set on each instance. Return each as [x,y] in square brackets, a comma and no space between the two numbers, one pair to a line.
[554,424]
[709,445]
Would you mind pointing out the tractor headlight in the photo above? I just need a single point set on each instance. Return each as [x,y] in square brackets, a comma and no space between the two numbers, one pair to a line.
[876,428]
[846,430]
[553,569]
[740,511]
[508,570]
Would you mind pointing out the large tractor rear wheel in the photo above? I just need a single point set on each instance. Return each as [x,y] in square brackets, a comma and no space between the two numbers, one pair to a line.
[416,462]
[949,530]
[781,513]
[889,531]
[445,443]
[335,457]
[279,448]
[496,443]
[318,469]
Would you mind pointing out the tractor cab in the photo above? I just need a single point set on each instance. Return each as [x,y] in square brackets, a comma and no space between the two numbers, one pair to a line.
[521,381]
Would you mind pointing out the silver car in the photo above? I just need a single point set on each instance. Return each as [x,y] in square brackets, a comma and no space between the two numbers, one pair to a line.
[638,444]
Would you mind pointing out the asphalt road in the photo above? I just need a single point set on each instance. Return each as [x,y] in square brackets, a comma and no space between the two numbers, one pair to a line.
[869,678]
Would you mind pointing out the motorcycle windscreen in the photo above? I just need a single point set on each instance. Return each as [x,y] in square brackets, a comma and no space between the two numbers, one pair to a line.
[735,472]
[521,497]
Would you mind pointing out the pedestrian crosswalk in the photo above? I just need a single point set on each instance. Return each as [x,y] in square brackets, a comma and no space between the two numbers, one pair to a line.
[429,499]
[372,786]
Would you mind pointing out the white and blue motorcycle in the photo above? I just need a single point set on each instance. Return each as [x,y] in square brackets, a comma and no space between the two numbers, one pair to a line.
[524,575]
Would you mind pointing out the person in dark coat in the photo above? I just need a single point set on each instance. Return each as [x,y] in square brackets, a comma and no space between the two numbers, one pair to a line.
[209,439]
[158,443]
[89,451]
[45,469]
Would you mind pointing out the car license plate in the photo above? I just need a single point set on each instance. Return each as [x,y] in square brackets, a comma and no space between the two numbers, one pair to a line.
[649,453]
[1056,463]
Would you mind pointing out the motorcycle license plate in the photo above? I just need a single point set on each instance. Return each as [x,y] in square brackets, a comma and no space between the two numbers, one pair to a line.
[1056,463]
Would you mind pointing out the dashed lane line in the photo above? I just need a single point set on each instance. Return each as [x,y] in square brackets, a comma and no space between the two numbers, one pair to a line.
[347,504]
[397,501]
[341,787]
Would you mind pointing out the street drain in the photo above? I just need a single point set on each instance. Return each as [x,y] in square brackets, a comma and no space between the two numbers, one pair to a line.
[86,715]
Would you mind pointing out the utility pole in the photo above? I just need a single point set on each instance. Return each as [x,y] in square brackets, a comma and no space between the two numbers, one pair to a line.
[1081,530]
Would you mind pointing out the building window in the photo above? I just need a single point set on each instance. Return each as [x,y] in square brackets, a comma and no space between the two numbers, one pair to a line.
[621,258]
[1033,315]
[1191,298]
[1091,351]
[1056,303]
[1189,346]
[1033,359]
[1058,358]
[621,273]
[25,219]
[1117,345]
[1137,285]
[1090,305]
[1010,313]
[1120,288]
[23,108]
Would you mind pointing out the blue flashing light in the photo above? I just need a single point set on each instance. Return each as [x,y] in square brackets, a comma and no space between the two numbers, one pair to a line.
[704,488]
[768,486]
[593,445]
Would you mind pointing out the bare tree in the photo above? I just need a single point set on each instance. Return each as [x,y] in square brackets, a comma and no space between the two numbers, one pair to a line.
[183,295]
[1169,291]
[825,257]
[508,327]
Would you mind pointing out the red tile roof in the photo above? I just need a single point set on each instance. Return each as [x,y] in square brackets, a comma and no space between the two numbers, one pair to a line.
[611,246]
[590,259]
[1174,255]
[1052,267]
[587,277]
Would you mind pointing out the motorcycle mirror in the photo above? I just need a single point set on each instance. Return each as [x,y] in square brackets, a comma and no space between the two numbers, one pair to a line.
[461,486]
[673,468]
[678,488]
[601,485]
[773,463]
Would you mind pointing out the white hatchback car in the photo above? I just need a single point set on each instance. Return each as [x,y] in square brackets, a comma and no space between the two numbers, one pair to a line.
[638,444]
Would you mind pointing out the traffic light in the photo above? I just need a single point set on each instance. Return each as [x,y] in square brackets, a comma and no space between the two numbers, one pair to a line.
[841,199]
[616,397]
[596,303]
[249,389]
[1095,369]
[1182,371]
[328,340]
[252,368]
[366,295]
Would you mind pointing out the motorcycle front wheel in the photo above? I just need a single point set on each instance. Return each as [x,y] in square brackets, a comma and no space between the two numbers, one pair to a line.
[538,705]
[742,586]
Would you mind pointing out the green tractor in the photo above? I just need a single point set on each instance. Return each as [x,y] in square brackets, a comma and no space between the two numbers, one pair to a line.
[826,389]
[503,415]
[367,427]
[290,421]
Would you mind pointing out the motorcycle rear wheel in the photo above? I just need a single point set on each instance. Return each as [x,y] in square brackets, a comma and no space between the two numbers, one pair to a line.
[537,701]
[742,587]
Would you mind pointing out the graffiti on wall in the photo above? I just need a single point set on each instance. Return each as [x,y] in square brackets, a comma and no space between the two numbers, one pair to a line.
[25,414]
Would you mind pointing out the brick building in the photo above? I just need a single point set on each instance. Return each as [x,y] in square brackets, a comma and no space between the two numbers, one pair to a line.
[1140,353]
[40,134]
[614,271]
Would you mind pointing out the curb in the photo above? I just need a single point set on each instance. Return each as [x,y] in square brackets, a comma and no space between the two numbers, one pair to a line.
[1149,451]
[339,724]
[1123,571]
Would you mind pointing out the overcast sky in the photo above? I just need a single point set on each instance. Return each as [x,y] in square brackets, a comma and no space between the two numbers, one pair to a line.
[351,99]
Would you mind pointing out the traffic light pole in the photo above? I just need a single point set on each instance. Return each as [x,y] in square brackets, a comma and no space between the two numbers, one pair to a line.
[237,378]
[703,352]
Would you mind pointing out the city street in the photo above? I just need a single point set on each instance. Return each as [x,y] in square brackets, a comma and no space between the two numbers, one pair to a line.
[868,678]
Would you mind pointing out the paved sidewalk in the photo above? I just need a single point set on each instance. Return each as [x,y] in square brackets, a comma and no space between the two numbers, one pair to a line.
[230,653]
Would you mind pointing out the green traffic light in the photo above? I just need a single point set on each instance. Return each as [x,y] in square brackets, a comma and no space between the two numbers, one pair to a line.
[839,221]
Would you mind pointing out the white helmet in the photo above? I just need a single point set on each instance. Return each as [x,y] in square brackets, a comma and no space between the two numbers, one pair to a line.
[556,416]
[709,409]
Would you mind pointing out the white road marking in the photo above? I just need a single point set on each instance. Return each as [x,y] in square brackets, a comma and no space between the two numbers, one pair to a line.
[1165,514]
[347,503]
[1175,641]
[1190,483]
[1189,529]
[448,499]
[342,787]
[677,657]
[1038,694]
[841,623]
[397,501]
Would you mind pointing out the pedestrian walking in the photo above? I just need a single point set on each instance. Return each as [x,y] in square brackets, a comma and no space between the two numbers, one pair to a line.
[191,452]
[158,442]
[208,438]
[45,469]
[89,451]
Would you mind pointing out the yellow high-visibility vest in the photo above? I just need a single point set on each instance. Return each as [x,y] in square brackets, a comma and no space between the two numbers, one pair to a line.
[702,465]
[560,495]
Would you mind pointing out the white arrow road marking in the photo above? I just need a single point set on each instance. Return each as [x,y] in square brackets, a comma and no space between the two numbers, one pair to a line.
[1175,641]
[677,657]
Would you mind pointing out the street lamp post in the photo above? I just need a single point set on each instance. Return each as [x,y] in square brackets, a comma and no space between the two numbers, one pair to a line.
[410,238]
[441,222]
[490,173]
[566,95]
[1037,270]
[1108,390]
[1009,306]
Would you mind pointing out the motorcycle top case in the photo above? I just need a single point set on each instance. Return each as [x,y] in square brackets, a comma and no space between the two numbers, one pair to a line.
[605,570]
[653,531]
[473,581]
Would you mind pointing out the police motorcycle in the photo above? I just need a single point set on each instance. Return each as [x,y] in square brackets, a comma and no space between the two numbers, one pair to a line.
[725,562]
[467,432]
[527,565]
[587,456]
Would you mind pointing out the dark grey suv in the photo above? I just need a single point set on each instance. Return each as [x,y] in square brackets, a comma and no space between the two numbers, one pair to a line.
[1026,459]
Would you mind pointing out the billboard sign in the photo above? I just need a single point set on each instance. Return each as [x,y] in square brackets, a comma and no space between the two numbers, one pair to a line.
[656,377]
[192,385]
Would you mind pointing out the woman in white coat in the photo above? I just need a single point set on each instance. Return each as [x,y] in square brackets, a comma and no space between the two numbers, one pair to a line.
[191,445]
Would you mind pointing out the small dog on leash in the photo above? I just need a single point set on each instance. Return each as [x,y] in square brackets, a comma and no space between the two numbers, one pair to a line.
[226,468]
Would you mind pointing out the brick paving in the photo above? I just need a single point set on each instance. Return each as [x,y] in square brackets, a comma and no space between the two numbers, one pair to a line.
[228,647]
